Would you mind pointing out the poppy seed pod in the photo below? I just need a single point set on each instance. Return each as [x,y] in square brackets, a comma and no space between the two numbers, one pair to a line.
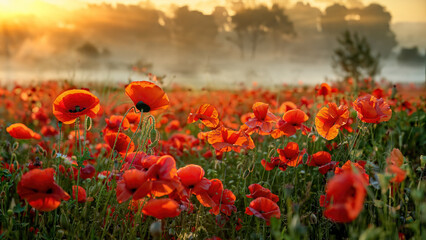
[155,229]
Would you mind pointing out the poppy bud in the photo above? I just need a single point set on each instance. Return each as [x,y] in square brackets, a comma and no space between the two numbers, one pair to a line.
[64,221]
[313,219]
[305,158]
[15,146]
[88,124]
[60,233]
[155,229]
[53,153]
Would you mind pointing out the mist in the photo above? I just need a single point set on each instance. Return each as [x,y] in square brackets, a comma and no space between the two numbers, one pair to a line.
[235,44]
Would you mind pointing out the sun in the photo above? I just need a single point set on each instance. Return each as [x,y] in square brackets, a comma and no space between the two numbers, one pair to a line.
[10,8]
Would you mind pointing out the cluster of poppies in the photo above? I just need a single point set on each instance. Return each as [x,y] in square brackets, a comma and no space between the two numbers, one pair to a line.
[154,176]
[164,190]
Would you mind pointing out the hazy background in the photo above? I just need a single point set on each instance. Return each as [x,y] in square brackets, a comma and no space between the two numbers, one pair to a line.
[204,43]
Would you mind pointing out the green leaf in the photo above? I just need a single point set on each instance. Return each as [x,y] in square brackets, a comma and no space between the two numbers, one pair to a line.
[18,208]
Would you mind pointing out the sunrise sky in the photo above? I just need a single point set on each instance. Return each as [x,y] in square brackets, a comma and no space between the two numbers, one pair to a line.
[402,11]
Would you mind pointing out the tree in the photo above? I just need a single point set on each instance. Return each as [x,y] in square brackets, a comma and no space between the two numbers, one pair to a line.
[193,28]
[372,21]
[254,23]
[354,57]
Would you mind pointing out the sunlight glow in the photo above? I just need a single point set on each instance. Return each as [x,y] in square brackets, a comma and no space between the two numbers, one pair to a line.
[9,8]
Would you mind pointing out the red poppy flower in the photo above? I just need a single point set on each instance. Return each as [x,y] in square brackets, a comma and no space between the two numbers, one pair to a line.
[323,169]
[147,96]
[40,190]
[329,120]
[275,162]
[87,172]
[263,119]
[395,158]
[190,175]
[207,114]
[20,131]
[226,140]
[357,167]
[239,224]
[324,90]
[344,197]
[10,167]
[399,174]
[394,162]
[407,106]
[214,238]
[162,208]
[173,125]
[139,160]
[287,106]
[218,198]
[257,190]
[114,122]
[372,110]
[72,104]
[133,118]
[80,194]
[348,126]
[224,203]
[319,159]
[378,93]
[292,121]
[40,115]
[163,175]
[290,155]
[123,144]
[133,183]
[49,131]
[264,208]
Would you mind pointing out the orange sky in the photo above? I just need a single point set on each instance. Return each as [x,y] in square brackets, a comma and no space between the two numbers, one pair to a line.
[401,10]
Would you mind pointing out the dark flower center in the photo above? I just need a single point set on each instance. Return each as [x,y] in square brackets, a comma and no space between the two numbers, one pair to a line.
[49,191]
[77,109]
[141,106]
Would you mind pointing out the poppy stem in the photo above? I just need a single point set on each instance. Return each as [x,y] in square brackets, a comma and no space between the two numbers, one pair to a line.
[85,134]
[60,136]
[116,137]
[131,140]
[78,136]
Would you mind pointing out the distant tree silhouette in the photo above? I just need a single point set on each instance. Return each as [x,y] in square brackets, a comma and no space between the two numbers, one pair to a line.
[89,50]
[411,56]
[193,28]
[374,24]
[305,18]
[333,21]
[354,57]
[221,18]
[254,23]
[107,23]
[372,21]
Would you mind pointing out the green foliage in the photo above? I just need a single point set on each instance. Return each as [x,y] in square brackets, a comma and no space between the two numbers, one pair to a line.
[386,212]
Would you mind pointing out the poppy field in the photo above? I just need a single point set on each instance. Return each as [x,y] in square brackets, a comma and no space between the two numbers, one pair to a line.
[147,160]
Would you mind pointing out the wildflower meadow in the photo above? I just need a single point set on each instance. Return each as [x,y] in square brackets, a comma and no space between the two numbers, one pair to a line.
[148,160]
